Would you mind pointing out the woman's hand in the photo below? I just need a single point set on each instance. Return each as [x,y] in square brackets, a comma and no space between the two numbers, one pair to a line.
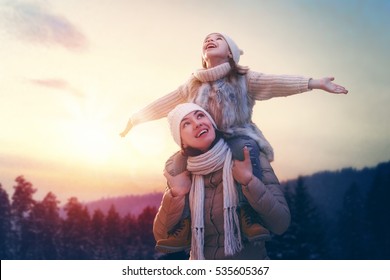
[327,85]
[180,184]
[242,170]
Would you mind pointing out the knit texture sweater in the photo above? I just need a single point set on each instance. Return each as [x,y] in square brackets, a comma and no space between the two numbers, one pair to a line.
[229,98]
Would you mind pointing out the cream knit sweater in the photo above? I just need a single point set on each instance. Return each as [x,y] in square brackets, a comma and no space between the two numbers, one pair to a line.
[258,86]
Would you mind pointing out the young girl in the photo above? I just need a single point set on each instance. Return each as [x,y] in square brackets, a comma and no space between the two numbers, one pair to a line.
[228,92]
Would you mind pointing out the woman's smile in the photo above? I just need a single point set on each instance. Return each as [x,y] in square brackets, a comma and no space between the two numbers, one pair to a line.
[202,132]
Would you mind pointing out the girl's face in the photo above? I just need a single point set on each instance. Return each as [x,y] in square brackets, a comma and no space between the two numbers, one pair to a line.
[215,50]
[197,131]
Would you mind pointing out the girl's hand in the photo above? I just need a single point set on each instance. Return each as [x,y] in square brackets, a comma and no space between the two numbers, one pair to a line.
[327,85]
[180,184]
[242,170]
[127,129]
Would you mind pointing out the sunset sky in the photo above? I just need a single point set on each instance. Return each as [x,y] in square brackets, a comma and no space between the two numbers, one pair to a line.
[72,72]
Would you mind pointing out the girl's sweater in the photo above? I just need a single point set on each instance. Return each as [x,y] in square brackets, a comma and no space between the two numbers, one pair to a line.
[229,98]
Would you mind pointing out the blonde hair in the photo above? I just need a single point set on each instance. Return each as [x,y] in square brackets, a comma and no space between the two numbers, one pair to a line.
[238,69]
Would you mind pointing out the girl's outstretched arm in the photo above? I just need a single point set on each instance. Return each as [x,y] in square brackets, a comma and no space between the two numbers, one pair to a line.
[129,126]
[155,110]
[327,85]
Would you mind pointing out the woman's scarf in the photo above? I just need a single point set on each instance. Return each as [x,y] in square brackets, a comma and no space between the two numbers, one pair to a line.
[219,156]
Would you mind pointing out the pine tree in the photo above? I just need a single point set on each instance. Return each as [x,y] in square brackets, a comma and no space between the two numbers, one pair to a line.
[305,237]
[76,232]
[378,215]
[351,225]
[5,225]
[131,236]
[113,235]
[45,220]
[145,231]
[98,229]
[21,207]
[36,220]
[309,230]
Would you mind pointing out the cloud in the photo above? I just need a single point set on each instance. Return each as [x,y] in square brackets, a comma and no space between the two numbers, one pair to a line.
[34,23]
[51,83]
[58,84]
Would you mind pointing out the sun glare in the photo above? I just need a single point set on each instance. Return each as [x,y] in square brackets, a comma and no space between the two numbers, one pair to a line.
[92,140]
[88,130]
[148,139]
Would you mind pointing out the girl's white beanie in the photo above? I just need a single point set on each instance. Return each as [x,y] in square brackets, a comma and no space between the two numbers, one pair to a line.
[236,51]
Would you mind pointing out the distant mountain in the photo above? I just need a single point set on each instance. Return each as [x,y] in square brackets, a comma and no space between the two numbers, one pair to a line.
[327,189]
[130,204]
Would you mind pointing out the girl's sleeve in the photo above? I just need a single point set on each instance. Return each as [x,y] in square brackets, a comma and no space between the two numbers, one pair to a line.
[267,199]
[159,108]
[265,86]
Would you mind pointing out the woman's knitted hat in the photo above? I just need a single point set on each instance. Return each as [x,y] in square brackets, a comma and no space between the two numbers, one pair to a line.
[176,116]
[236,51]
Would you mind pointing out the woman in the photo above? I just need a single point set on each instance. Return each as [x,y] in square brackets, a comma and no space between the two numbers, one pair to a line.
[213,197]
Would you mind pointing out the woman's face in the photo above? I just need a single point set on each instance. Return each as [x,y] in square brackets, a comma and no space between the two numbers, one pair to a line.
[197,131]
[215,49]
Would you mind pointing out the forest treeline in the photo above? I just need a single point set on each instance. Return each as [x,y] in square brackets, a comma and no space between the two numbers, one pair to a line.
[31,229]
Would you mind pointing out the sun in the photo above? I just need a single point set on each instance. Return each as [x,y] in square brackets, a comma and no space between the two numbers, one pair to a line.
[92,136]
[87,130]
[92,140]
[149,139]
